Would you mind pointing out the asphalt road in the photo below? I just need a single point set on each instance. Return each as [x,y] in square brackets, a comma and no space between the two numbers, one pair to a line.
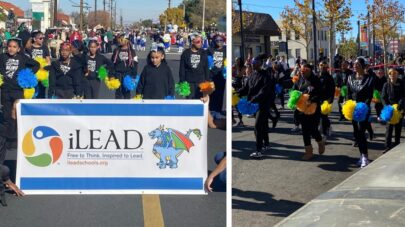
[120,210]
[267,190]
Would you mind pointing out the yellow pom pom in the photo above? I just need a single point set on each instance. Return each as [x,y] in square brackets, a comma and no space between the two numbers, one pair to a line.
[138,97]
[112,84]
[1,80]
[396,116]
[225,62]
[29,93]
[42,75]
[235,99]
[326,108]
[42,62]
[348,109]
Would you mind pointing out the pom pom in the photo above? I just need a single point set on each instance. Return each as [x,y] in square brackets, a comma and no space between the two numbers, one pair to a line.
[247,108]
[397,115]
[302,102]
[279,89]
[27,79]
[42,62]
[170,97]
[225,62]
[294,97]
[207,87]
[224,72]
[348,109]
[128,83]
[210,62]
[235,99]
[29,93]
[45,83]
[311,108]
[295,79]
[183,89]
[360,112]
[112,84]
[386,113]
[326,108]
[102,73]
[343,91]
[138,97]
[1,80]
[337,92]
[42,74]
[376,96]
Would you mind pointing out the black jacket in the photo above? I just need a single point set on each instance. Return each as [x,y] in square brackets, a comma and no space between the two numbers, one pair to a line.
[194,66]
[123,65]
[93,64]
[259,88]
[393,94]
[361,91]
[11,65]
[65,77]
[328,87]
[156,82]
[310,86]
[379,83]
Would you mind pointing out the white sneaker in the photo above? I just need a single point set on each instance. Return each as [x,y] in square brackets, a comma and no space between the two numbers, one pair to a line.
[256,154]
[358,163]
[364,161]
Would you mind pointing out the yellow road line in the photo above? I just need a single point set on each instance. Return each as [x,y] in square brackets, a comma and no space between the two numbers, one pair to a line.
[152,212]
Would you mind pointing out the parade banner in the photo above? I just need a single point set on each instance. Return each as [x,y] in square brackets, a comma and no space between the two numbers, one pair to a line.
[112,146]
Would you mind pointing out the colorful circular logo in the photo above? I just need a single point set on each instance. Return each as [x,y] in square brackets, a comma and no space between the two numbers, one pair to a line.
[46,158]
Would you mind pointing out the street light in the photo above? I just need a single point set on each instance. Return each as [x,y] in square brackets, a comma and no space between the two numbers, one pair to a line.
[203,17]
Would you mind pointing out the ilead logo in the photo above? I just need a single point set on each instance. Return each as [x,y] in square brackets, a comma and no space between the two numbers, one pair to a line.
[42,134]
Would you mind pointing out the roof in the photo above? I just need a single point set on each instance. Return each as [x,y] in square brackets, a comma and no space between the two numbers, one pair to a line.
[262,24]
[17,11]
[63,18]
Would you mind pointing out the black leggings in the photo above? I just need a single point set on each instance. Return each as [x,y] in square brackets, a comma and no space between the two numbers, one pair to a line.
[92,89]
[274,108]
[195,91]
[325,124]
[378,107]
[262,128]
[310,127]
[359,131]
[388,134]
[8,97]
[296,118]
[217,97]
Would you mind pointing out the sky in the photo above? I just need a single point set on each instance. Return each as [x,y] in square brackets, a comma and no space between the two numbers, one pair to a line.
[132,10]
[274,8]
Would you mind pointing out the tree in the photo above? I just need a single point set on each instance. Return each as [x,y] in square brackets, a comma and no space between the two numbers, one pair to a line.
[299,20]
[247,18]
[103,18]
[214,9]
[348,48]
[147,23]
[174,16]
[336,17]
[386,16]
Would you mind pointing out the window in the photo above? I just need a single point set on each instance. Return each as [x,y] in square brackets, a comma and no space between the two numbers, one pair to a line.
[258,49]
[289,53]
[297,53]
[297,35]
[326,52]
[280,37]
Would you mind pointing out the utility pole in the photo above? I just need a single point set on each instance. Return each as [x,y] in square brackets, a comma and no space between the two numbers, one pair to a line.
[81,15]
[203,17]
[115,13]
[104,5]
[373,35]
[358,39]
[169,3]
[286,43]
[121,19]
[369,33]
[314,31]
[167,10]
[95,11]
[55,13]
[111,14]
[242,51]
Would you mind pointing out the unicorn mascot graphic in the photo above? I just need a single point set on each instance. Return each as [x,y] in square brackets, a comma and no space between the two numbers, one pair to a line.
[170,144]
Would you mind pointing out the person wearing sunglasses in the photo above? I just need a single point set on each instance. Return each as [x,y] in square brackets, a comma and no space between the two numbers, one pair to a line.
[218,54]
[38,49]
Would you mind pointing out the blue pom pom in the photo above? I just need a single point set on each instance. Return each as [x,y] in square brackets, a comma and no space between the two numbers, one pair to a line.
[386,113]
[170,97]
[27,79]
[224,72]
[210,62]
[245,107]
[279,89]
[360,112]
[128,83]
[137,80]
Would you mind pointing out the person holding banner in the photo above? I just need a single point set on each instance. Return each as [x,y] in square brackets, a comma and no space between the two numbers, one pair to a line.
[94,60]
[218,54]
[156,81]
[65,75]
[393,93]
[125,63]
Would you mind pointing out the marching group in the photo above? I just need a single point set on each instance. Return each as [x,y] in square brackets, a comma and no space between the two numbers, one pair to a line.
[356,85]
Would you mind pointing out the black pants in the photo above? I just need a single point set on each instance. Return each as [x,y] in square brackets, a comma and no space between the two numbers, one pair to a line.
[262,128]
[388,134]
[3,149]
[92,89]
[310,127]
[8,97]
[274,109]
[195,92]
[64,94]
[340,101]
[359,131]
[296,118]
[41,91]
[378,107]
[325,124]
[217,97]
[122,92]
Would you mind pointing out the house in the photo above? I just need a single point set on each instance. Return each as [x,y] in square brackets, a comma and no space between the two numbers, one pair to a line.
[7,8]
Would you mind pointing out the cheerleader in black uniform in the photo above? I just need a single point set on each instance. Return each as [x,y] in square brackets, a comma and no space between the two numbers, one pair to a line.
[340,81]
[327,94]
[393,93]
[360,88]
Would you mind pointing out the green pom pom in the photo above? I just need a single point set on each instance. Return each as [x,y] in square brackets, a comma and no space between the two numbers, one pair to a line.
[343,91]
[45,83]
[183,89]
[376,95]
[294,97]
[102,73]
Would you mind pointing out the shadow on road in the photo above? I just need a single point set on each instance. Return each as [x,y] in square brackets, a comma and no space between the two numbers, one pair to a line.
[263,202]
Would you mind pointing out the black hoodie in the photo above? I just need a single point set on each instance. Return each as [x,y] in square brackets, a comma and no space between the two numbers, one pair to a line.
[122,62]
[65,77]
[393,94]
[310,86]
[328,87]
[156,82]
[194,66]
[258,88]
[94,64]
[11,65]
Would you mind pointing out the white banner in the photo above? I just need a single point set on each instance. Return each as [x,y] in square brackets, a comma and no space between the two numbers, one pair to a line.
[112,146]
